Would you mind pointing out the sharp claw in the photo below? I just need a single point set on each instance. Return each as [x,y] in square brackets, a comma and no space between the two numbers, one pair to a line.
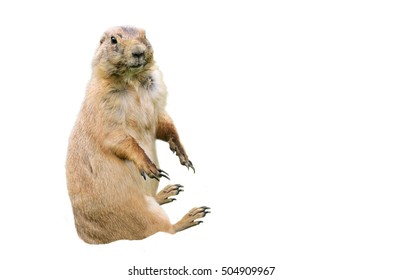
[199,222]
[143,175]
[191,165]
[161,171]
[179,188]
[163,175]
[152,176]
[205,207]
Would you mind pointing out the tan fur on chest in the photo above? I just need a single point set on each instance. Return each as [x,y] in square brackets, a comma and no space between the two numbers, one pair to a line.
[135,108]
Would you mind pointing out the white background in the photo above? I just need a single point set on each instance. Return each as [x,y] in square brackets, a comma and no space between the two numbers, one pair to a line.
[289,110]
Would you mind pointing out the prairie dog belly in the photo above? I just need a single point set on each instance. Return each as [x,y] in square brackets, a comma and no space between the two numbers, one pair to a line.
[140,120]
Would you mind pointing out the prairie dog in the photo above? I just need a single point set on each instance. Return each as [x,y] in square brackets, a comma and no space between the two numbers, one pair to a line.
[112,167]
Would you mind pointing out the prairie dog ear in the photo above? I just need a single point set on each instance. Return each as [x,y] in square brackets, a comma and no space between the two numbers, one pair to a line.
[102,39]
[142,33]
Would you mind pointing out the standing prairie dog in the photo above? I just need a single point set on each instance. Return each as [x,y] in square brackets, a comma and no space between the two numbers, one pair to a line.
[112,168]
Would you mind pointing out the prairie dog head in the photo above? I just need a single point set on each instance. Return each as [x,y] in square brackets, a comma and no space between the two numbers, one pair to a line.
[123,51]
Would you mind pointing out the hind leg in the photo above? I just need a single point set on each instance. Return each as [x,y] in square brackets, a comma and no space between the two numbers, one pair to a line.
[164,196]
[190,219]
[158,220]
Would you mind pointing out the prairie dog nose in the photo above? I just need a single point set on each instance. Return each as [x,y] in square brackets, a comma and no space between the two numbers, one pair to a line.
[138,51]
[137,54]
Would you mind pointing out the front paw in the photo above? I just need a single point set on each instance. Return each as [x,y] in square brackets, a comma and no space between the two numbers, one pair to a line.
[178,149]
[149,169]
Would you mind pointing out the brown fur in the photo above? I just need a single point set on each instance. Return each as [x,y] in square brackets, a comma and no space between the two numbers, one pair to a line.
[112,146]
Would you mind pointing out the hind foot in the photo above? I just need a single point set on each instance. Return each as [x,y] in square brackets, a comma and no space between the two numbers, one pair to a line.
[189,220]
[164,196]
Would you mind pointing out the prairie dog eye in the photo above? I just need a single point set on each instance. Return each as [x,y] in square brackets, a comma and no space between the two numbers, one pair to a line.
[113,40]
